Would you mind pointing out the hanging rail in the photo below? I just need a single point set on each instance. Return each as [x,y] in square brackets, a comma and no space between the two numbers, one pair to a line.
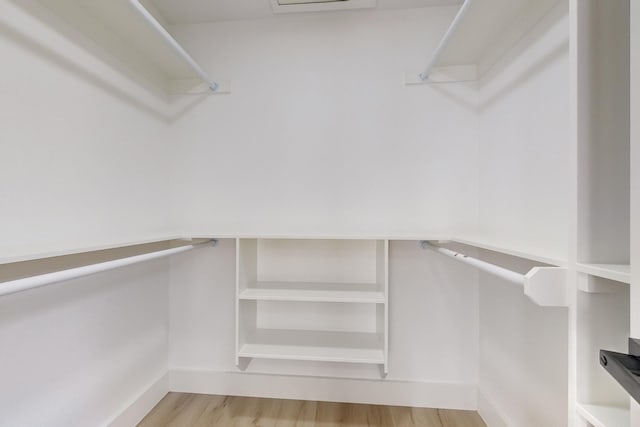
[508,275]
[445,40]
[168,38]
[27,283]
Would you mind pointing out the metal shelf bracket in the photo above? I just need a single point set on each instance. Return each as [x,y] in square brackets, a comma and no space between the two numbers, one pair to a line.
[624,368]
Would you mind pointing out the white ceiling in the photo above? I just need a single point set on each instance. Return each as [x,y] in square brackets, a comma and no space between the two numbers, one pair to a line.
[194,11]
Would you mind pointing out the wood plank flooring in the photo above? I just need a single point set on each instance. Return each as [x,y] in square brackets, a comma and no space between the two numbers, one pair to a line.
[196,410]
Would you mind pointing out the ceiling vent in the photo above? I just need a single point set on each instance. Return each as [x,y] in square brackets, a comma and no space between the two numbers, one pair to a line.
[298,6]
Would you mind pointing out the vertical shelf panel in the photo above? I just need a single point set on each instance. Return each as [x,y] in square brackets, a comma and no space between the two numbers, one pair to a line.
[603,142]
[246,272]
[635,184]
[602,76]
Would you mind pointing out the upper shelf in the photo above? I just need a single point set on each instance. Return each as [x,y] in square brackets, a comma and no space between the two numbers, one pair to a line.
[319,346]
[118,27]
[480,34]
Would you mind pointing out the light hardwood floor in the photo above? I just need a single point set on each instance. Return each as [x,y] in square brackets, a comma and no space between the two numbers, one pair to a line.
[195,410]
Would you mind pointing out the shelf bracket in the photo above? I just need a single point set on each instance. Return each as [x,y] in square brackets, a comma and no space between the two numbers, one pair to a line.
[624,368]
[243,363]
[443,75]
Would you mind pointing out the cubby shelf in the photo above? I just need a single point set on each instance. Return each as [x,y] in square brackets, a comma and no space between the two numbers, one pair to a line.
[604,416]
[313,292]
[289,292]
[616,272]
[319,346]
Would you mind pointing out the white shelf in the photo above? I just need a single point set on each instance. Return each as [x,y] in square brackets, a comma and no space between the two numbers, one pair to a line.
[313,292]
[616,272]
[489,29]
[604,416]
[119,30]
[520,249]
[320,346]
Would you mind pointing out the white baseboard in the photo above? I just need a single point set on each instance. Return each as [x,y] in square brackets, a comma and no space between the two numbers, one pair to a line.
[490,414]
[140,406]
[381,392]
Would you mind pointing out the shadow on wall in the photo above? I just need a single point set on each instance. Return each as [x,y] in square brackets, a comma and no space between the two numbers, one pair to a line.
[145,92]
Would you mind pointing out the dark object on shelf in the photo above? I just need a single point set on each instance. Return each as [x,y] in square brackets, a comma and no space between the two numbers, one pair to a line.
[625,368]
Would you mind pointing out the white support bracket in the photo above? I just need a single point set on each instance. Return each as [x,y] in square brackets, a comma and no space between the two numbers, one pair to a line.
[547,286]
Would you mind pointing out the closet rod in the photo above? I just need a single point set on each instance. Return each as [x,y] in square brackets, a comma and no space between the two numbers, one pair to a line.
[508,275]
[27,283]
[168,38]
[445,40]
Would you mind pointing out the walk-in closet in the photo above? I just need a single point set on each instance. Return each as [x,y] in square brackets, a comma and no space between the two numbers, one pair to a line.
[320,213]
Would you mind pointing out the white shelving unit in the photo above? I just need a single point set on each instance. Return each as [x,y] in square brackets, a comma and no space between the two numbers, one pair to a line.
[117,28]
[604,416]
[322,300]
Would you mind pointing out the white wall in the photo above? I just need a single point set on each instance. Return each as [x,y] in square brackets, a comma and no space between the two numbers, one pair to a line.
[524,142]
[320,135]
[79,353]
[524,198]
[83,148]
